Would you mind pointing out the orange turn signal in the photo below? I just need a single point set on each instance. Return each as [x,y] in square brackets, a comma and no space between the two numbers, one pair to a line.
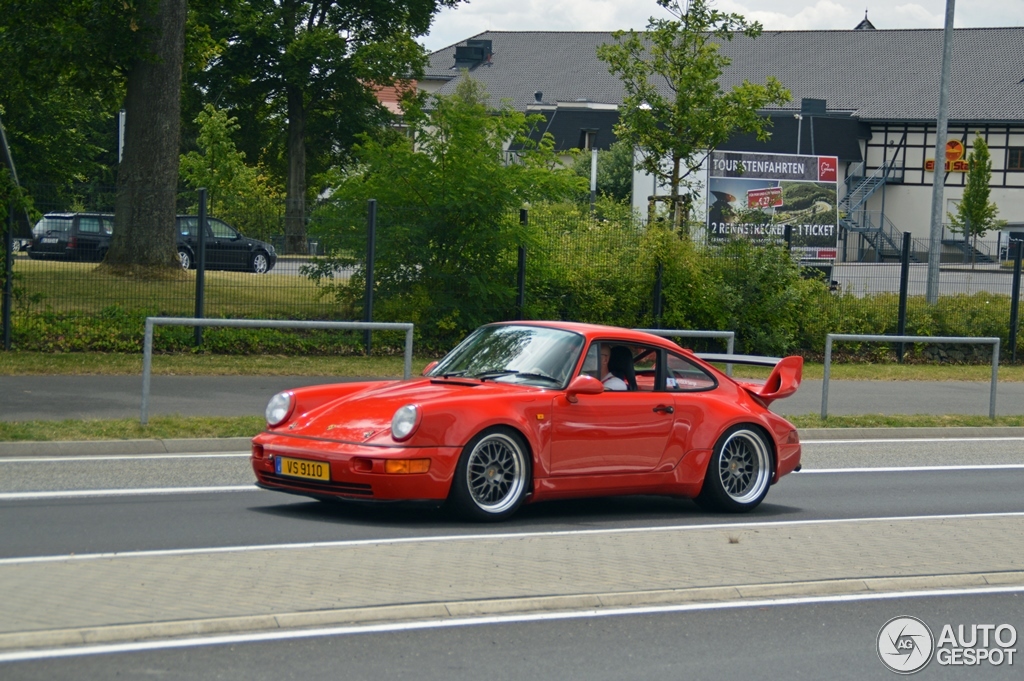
[407,465]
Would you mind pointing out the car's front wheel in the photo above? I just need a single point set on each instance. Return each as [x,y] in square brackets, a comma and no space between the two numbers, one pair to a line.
[739,473]
[493,476]
[186,258]
[259,263]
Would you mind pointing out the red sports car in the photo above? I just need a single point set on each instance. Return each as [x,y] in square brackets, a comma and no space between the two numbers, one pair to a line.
[526,411]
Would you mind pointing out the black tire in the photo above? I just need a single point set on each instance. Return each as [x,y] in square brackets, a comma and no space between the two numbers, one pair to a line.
[740,471]
[493,476]
[185,256]
[259,263]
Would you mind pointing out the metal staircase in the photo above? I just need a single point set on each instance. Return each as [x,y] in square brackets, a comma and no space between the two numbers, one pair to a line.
[877,233]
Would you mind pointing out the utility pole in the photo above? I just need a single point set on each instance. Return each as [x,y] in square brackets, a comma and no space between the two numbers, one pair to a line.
[939,176]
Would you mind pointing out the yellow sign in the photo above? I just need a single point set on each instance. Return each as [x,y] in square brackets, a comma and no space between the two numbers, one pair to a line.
[955,161]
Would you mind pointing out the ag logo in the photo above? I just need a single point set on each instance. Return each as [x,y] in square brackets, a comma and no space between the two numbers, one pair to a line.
[905,645]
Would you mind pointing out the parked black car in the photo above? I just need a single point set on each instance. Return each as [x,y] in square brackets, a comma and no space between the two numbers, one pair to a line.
[226,248]
[86,237]
[71,236]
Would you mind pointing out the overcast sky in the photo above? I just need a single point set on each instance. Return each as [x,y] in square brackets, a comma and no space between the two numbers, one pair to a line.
[455,25]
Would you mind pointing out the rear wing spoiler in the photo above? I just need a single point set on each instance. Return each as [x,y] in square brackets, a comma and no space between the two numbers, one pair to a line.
[782,382]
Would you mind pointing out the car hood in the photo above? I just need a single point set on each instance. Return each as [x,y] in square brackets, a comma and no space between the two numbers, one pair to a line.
[364,416]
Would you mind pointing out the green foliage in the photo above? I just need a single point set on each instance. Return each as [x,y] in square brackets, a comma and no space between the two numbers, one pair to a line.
[683,53]
[236,192]
[614,170]
[447,227]
[975,214]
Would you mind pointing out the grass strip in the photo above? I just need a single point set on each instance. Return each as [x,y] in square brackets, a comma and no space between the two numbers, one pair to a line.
[159,428]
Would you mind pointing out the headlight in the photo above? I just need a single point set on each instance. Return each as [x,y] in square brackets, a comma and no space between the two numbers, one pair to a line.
[404,422]
[279,408]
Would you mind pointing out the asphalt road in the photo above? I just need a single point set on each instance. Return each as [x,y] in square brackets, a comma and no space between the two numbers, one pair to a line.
[799,638]
[839,480]
[30,398]
[813,640]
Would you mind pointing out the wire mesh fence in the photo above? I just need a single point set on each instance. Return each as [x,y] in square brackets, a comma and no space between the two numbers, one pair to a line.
[449,272]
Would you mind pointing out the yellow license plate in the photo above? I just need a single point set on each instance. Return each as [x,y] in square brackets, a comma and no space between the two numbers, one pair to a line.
[302,468]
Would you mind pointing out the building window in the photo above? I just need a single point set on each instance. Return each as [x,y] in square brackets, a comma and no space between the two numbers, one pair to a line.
[1015,158]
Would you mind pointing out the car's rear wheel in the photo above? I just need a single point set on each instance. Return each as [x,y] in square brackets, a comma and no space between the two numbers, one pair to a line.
[739,473]
[186,258]
[493,476]
[259,263]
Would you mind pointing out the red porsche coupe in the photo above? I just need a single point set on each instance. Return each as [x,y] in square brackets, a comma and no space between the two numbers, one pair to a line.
[521,412]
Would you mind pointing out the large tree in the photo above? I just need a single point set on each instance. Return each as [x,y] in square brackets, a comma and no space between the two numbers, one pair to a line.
[675,111]
[309,68]
[94,57]
[449,212]
[147,179]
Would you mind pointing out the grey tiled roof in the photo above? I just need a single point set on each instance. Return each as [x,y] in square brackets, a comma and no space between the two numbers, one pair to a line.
[883,75]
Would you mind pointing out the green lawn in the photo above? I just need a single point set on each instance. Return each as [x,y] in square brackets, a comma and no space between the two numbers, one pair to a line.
[82,287]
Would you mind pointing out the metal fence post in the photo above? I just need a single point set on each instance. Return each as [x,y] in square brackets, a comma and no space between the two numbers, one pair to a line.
[657,294]
[201,266]
[824,382]
[8,275]
[371,256]
[1018,246]
[901,325]
[147,370]
[524,219]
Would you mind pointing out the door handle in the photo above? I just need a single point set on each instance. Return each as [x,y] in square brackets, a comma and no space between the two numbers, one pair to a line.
[664,409]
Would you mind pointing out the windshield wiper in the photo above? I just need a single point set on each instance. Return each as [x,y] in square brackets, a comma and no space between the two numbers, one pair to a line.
[496,373]
[535,374]
[449,374]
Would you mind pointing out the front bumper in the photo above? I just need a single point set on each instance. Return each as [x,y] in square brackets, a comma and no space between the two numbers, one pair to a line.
[356,471]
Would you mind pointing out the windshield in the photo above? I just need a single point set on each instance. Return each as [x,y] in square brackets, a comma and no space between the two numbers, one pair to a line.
[514,354]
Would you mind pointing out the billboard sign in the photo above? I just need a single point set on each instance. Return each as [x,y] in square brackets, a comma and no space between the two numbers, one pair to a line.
[755,196]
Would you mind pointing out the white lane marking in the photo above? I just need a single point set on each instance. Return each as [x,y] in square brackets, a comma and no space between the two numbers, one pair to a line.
[122,457]
[910,439]
[76,493]
[506,535]
[397,627]
[917,469]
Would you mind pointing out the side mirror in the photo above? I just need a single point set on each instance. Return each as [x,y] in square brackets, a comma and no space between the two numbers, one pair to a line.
[583,385]
[427,369]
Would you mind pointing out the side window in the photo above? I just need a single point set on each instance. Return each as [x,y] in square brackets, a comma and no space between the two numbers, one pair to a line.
[108,226]
[221,230]
[88,225]
[685,376]
[187,226]
[622,366]
[590,362]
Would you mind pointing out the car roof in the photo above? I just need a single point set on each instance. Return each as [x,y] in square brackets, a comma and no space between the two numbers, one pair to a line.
[592,331]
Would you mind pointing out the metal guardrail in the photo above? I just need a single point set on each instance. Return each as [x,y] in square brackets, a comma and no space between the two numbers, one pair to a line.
[730,337]
[147,350]
[986,340]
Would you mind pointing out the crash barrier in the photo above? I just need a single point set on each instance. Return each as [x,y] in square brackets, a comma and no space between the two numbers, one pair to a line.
[729,336]
[147,350]
[994,342]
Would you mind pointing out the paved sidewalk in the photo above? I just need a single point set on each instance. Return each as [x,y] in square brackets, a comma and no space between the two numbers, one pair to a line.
[106,598]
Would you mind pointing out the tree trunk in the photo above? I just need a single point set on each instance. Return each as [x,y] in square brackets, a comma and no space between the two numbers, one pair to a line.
[144,240]
[295,201]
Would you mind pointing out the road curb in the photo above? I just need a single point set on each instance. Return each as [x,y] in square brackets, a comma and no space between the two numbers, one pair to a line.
[123,633]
